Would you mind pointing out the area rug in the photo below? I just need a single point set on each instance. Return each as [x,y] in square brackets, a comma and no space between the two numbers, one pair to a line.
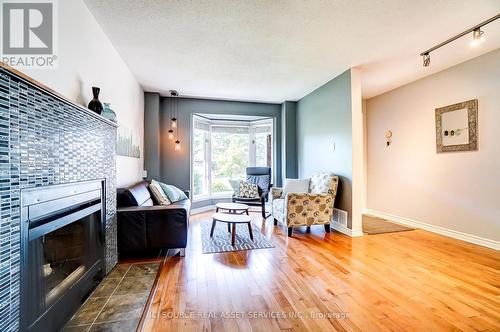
[373,225]
[118,303]
[221,241]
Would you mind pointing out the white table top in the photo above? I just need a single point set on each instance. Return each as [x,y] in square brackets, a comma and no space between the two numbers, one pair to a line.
[229,217]
[232,206]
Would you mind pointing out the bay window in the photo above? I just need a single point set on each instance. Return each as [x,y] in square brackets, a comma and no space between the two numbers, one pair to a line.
[223,149]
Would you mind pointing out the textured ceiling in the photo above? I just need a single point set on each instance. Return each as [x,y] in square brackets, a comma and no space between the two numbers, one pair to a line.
[279,50]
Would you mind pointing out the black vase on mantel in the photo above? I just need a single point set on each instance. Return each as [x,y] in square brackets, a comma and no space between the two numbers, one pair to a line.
[95,105]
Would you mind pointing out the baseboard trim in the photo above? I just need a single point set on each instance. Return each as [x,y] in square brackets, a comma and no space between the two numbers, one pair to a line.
[347,231]
[436,229]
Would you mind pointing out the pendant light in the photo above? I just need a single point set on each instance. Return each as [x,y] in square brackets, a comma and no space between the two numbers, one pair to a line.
[171,131]
[173,121]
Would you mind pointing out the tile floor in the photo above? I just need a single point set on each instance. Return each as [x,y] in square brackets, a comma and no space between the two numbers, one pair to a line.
[119,300]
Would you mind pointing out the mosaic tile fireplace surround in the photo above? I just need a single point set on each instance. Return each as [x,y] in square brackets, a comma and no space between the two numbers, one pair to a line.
[45,140]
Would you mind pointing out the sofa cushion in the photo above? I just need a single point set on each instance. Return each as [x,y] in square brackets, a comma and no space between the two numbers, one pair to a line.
[158,194]
[134,195]
[173,193]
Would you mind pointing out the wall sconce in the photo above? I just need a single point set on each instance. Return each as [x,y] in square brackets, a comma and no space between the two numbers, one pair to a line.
[388,135]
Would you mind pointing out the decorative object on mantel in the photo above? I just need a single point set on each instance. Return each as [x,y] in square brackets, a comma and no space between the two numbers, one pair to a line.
[388,135]
[108,113]
[127,143]
[173,120]
[456,127]
[95,105]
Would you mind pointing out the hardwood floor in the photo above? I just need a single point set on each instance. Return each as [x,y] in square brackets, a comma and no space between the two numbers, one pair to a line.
[408,281]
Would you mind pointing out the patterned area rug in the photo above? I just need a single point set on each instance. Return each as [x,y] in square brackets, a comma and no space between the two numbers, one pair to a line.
[372,225]
[221,241]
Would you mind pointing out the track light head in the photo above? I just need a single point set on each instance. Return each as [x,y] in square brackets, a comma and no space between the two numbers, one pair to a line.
[426,57]
[477,37]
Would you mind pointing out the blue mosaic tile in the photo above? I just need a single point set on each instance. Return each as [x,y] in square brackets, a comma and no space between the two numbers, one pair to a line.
[45,141]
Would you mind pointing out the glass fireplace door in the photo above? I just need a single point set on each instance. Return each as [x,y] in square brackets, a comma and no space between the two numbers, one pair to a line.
[60,258]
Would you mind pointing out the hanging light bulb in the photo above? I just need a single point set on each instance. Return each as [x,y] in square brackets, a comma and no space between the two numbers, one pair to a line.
[177,145]
[426,59]
[170,134]
[173,123]
[477,37]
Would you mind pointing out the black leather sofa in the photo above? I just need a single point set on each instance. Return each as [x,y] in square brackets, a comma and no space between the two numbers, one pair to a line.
[144,227]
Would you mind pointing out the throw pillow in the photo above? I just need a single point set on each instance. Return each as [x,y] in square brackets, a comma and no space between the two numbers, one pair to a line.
[173,193]
[158,193]
[249,190]
[296,186]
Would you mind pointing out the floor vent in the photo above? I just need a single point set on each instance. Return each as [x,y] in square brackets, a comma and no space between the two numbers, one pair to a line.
[340,216]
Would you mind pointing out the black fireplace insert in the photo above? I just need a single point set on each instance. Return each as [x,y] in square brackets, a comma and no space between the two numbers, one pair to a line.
[62,251]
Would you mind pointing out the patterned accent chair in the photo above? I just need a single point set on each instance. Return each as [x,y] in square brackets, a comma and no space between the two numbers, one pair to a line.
[305,209]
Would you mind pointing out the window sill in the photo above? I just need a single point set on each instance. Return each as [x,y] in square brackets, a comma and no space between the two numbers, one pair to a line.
[213,196]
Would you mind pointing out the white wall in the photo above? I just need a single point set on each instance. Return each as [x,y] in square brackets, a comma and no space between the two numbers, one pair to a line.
[87,58]
[458,191]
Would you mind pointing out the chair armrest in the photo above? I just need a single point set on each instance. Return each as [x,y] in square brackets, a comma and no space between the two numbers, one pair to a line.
[304,209]
[318,198]
[276,192]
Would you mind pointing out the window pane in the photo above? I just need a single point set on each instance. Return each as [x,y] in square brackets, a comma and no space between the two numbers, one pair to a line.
[200,185]
[229,159]
[263,147]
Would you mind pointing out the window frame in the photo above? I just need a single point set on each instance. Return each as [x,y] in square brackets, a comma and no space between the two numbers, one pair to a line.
[251,125]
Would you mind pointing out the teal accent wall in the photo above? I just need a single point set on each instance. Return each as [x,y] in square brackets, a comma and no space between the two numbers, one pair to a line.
[289,139]
[175,166]
[324,119]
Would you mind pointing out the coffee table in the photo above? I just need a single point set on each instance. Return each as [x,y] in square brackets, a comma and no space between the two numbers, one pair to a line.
[232,219]
[235,208]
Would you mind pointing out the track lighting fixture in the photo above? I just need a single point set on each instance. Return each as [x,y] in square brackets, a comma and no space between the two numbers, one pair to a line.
[477,38]
[426,59]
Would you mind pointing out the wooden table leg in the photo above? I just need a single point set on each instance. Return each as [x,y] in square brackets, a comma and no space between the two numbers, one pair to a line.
[213,227]
[250,230]
[233,235]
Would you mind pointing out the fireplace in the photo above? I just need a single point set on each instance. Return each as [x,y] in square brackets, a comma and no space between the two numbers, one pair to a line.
[62,251]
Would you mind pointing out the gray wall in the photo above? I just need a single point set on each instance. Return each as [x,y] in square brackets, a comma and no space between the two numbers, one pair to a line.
[175,166]
[152,134]
[289,139]
[324,117]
